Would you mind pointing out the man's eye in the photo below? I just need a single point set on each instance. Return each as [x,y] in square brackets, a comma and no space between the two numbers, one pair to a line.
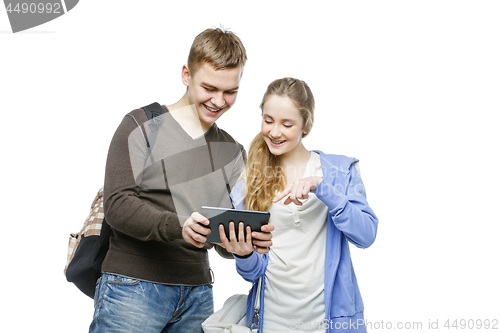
[231,92]
[208,89]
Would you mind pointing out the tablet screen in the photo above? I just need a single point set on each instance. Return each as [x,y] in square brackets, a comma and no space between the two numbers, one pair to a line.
[223,216]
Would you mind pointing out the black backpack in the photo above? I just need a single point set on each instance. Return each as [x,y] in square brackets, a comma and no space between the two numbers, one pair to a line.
[87,249]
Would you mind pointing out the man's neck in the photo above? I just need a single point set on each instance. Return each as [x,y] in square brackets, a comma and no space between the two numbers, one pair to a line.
[187,117]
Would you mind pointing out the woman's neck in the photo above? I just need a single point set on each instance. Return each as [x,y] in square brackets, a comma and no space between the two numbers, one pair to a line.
[294,163]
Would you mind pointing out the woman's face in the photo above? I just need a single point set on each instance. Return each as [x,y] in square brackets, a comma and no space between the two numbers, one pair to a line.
[282,125]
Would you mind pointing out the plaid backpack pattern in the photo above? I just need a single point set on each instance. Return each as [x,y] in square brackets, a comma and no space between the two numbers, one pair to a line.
[91,227]
[87,249]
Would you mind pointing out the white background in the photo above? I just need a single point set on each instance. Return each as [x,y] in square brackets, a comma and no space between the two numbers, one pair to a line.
[411,88]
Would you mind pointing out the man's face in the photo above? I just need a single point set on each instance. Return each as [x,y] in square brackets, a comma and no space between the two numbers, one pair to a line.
[211,91]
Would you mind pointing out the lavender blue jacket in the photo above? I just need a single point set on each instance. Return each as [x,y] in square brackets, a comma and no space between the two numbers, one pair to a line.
[349,219]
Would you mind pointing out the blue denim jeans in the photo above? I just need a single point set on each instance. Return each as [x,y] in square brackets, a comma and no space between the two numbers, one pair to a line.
[124,304]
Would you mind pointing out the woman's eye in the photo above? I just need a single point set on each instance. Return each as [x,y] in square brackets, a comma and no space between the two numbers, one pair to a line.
[287,125]
[268,121]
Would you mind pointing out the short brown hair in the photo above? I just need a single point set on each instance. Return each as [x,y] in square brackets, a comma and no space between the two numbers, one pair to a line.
[219,48]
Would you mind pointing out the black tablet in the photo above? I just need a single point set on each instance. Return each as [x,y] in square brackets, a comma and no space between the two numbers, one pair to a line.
[223,216]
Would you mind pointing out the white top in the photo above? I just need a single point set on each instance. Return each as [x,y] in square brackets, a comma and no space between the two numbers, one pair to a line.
[294,290]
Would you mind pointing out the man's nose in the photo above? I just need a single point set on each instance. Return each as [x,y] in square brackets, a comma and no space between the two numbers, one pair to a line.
[218,100]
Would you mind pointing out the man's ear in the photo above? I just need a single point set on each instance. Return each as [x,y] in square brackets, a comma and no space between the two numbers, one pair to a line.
[185,75]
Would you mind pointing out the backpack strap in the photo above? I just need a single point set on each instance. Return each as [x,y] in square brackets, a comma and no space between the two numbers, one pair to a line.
[153,110]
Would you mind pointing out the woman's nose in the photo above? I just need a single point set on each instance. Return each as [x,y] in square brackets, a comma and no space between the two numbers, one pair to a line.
[275,132]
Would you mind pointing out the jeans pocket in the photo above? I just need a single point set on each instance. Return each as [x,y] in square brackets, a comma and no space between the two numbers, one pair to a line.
[121,280]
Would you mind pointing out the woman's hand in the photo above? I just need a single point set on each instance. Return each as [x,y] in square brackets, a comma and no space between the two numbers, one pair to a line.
[240,246]
[298,190]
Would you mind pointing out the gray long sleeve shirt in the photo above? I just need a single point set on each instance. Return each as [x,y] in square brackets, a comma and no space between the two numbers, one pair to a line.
[150,191]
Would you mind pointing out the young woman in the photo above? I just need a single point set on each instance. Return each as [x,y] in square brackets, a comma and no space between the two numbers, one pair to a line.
[317,203]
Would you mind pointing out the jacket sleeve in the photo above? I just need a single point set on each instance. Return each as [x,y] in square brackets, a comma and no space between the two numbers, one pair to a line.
[349,209]
[251,268]
[123,208]
[237,194]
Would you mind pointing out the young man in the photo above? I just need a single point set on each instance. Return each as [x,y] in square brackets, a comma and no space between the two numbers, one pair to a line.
[156,275]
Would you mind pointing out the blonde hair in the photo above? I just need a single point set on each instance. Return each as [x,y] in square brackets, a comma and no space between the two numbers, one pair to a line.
[264,176]
[219,48]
